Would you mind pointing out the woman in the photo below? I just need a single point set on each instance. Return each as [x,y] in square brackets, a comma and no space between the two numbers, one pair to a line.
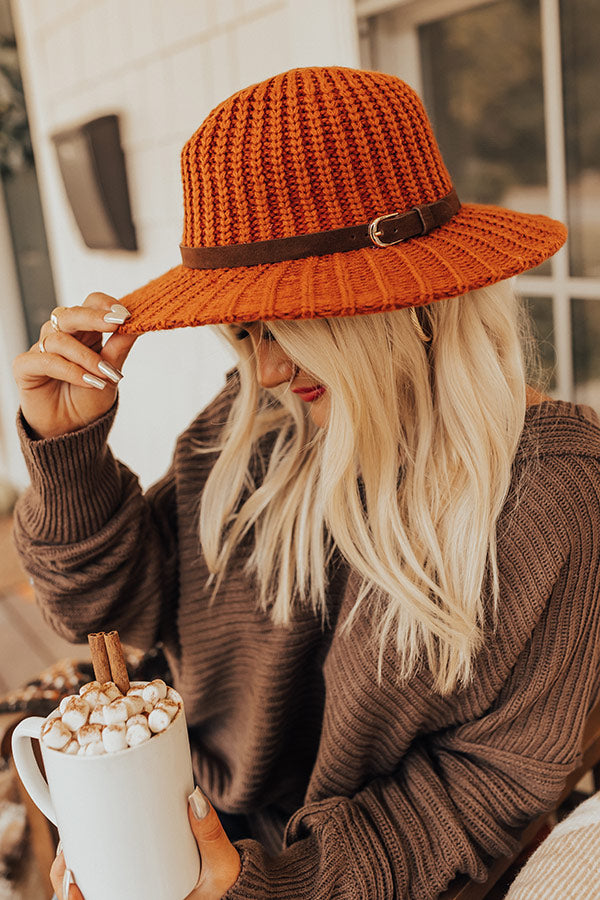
[373,563]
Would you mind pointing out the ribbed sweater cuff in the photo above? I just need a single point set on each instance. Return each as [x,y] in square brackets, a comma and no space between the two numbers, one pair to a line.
[75,483]
[265,878]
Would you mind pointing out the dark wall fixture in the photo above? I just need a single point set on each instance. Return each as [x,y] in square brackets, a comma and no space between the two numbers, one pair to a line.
[92,165]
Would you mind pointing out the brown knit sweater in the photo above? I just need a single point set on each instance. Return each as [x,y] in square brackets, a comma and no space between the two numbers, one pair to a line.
[354,788]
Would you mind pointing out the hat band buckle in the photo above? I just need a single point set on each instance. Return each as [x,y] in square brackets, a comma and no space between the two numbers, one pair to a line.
[376,234]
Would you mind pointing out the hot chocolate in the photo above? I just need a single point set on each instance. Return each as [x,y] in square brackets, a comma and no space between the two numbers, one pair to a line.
[101,719]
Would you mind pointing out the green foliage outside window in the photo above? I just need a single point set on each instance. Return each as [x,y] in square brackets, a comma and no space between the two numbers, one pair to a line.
[15,143]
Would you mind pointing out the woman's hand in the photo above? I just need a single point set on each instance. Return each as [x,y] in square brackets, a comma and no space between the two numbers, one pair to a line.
[62,879]
[220,860]
[68,379]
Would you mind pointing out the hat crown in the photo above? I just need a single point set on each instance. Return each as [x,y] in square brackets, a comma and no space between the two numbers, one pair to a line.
[308,150]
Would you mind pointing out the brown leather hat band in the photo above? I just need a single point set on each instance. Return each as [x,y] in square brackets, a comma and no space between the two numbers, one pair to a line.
[384,231]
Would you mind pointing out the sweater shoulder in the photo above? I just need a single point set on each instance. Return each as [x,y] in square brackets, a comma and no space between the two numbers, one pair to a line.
[554,500]
[559,428]
[558,459]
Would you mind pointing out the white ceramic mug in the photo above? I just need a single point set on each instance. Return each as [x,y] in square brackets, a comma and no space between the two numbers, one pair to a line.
[122,817]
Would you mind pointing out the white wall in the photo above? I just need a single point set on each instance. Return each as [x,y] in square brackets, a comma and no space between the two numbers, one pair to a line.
[162,65]
[12,340]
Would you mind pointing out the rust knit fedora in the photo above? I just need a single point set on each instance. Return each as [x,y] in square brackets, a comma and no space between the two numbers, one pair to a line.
[322,192]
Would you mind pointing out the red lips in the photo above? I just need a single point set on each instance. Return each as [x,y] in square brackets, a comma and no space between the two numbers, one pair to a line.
[309,394]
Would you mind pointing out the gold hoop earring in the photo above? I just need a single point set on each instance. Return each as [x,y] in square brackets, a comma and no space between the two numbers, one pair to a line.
[418,327]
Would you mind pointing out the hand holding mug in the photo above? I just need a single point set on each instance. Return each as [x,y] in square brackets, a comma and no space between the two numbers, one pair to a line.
[220,861]
[118,775]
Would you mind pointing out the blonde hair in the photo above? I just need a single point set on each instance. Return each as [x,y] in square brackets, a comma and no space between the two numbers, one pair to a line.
[406,480]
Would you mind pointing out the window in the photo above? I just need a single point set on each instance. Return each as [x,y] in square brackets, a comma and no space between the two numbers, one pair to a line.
[511,87]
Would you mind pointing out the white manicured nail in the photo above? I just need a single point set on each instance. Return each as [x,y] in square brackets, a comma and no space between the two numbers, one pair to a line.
[110,371]
[94,381]
[120,310]
[115,318]
[67,882]
[199,803]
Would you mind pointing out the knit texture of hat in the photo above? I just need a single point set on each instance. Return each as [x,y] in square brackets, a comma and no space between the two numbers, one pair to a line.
[312,150]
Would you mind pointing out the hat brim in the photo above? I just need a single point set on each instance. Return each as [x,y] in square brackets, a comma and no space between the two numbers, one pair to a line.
[480,246]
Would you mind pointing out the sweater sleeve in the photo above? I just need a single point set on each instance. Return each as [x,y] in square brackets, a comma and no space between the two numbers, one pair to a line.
[98,551]
[455,799]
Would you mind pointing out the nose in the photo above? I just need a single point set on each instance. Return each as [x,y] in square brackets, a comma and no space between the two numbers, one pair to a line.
[273,365]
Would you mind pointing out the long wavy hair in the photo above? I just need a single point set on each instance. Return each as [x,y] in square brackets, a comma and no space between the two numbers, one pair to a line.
[407,479]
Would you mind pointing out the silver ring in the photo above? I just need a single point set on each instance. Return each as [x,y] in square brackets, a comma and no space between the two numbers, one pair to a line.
[54,321]
[41,343]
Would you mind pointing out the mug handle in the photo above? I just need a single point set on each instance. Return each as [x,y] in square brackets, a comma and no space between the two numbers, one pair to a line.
[27,766]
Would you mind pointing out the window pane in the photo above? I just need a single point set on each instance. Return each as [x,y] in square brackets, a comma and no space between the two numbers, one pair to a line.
[542,319]
[585,318]
[482,76]
[580,26]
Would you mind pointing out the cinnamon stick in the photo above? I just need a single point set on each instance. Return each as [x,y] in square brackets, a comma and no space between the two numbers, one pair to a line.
[118,666]
[100,660]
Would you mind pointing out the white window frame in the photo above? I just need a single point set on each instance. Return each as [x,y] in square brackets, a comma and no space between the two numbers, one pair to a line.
[400,46]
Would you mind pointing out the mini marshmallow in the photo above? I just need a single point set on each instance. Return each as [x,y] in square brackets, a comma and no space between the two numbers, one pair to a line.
[75,712]
[111,690]
[64,702]
[72,747]
[174,696]
[137,734]
[161,716]
[116,712]
[97,715]
[94,748]
[94,695]
[158,720]
[169,706]
[138,691]
[55,734]
[138,719]
[89,734]
[155,691]
[114,738]
[134,703]
[85,689]
[104,695]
